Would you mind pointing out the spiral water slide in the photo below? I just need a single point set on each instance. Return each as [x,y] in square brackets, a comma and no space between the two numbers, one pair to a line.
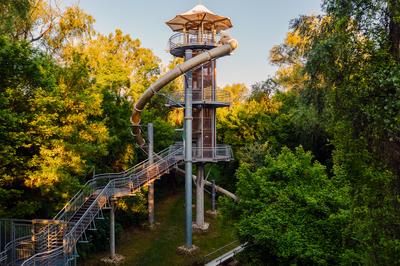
[226,48]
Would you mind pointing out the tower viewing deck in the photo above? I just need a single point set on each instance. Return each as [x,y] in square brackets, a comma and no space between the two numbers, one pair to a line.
[180,41]
[219,98]
[219,153]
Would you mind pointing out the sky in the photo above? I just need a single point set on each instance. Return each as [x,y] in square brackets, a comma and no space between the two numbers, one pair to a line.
[258,25]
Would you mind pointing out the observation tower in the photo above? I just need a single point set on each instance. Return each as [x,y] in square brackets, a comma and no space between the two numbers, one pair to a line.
[200,40]
[198,31]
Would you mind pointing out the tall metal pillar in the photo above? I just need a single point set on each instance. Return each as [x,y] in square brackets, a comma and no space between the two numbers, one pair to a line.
[188,154]
[112,229]
[151,185]
[213,110]
[200,196]
[213,196]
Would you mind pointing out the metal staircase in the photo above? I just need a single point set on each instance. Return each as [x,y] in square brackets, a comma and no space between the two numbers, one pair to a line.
[54,242]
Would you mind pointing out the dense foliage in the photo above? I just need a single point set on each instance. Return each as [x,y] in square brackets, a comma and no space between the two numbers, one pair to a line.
[66,97]
[336,93]
[290,210]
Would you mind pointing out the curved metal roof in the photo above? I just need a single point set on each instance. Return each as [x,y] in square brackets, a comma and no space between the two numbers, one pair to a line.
[195,17]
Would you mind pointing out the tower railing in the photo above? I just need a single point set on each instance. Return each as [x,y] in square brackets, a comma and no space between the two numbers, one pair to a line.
[206,95]
[202,124]
[220,152]
[188,39]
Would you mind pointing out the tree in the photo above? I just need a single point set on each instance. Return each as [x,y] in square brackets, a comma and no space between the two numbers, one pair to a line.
[337,94]
[237,92]
[248,122]
[14,14]
[352,60]
[122,69]
[289,211]
[66,98]
[69,132]
[24,70]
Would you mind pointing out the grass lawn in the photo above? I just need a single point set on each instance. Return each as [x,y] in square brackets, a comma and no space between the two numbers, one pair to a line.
[158,246]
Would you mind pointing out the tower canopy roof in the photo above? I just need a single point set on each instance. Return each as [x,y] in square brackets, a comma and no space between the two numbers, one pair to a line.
[194,18]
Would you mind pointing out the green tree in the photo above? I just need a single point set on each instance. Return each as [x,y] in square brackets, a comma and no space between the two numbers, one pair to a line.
[69,132]
[353,67]
[24,71]
[289,211]
[14,14]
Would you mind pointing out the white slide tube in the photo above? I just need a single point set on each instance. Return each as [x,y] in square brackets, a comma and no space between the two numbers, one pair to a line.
[225,49]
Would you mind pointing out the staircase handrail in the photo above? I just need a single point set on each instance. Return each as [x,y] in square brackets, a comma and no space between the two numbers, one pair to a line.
[10,245]
[107,193]
[168,156]
[43,256]
[60,214]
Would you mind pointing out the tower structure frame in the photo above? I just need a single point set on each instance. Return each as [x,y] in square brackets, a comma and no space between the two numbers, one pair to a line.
[199,30]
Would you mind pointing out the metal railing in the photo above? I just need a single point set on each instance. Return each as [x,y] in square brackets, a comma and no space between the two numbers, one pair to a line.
[52,257]
[224,253]
[102,187]
[220,251]
[20,239]
[202,124]
[13,234]
[185,39]
[221,152]
[98,181]
[206,96]
[53,242]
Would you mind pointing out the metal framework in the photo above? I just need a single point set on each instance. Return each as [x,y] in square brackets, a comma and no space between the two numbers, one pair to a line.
[53,242]
[200,100]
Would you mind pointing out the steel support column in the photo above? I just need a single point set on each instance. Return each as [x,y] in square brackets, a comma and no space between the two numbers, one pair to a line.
[188,153]
[112,229]
[200,196]
[213,196]
[151,185]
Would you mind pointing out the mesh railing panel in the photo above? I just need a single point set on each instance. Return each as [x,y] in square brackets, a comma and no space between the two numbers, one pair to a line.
[205,95]
[186,39]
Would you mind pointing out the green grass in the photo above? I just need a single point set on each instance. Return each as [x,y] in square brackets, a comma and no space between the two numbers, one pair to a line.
[158,246]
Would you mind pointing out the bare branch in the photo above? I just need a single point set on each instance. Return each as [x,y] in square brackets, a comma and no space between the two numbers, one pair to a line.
[43,33]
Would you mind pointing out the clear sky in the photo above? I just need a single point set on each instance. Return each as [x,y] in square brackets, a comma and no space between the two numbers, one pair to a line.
[258,25]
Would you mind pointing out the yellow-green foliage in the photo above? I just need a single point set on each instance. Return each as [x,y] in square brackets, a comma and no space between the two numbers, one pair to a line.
[65,104]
